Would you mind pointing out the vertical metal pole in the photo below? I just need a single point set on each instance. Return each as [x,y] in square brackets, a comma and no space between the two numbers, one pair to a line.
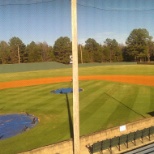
[18,55]
[81,54]
[75,78]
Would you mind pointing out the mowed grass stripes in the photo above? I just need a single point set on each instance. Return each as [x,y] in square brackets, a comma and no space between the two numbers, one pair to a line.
[103,105]
[113,104]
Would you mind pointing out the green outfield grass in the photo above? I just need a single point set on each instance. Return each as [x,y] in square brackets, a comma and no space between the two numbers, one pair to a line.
[103,104]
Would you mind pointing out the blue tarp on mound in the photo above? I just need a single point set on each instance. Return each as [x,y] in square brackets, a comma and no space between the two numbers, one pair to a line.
[13,124]
[64,90]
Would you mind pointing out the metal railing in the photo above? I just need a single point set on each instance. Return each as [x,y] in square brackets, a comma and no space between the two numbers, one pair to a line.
[117,141]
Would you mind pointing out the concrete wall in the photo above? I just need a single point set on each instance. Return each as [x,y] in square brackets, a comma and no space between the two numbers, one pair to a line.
[66,147]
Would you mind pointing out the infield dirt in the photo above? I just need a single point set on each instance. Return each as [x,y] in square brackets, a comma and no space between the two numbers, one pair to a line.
[139,80]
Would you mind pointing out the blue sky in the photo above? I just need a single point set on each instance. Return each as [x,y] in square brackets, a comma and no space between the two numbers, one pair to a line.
[47,20]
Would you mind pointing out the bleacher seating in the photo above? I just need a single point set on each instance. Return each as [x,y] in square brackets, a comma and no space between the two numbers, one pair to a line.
[117,141]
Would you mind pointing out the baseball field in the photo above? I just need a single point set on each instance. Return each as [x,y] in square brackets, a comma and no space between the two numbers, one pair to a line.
[113,95]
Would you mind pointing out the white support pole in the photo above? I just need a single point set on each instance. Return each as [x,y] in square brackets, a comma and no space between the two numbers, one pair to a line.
[75,78]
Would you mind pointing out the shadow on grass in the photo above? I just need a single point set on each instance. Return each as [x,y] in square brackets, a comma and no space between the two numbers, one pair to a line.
[151,113]
[125,105]
[69,116]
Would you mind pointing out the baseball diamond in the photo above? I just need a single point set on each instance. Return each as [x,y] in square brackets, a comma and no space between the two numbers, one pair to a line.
[113,95]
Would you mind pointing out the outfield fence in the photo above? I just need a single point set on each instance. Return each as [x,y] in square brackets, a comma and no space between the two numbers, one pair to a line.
[23,67]
[146,63]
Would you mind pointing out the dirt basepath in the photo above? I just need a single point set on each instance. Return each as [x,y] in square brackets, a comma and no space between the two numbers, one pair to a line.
[141,80]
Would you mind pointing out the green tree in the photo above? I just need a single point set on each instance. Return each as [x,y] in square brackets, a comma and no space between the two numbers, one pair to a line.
[106,54]
[4,52]
[39,52]
[94,50]
[150,50]
[138,44]
[34,52]
[112,50]
[62,50]
[17,50]
[45,51]
[83,54]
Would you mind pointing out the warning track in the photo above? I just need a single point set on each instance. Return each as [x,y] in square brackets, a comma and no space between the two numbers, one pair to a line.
[139,80]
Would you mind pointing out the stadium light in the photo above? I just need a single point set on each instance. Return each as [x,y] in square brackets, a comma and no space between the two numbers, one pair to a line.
[76,137]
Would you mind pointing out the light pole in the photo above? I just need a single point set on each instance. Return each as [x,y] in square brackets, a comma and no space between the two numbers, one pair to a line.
[18,54]
[76,137]
[81,54]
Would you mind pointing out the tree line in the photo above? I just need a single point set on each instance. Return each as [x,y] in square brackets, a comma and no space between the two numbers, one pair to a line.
[139,47]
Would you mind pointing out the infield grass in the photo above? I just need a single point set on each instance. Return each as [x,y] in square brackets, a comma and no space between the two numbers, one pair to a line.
[103,104]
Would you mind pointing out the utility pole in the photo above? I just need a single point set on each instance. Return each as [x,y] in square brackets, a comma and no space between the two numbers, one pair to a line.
[81,54]
[18,55]
[76,145]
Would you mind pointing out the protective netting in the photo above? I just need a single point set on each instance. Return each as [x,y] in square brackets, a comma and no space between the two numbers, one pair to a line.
[13,124]
[65,90]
